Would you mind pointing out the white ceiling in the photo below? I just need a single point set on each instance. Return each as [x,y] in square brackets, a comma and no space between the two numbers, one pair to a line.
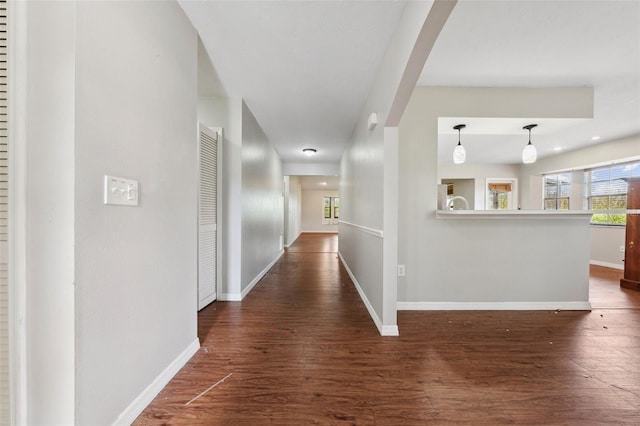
[304,68]
[540,44]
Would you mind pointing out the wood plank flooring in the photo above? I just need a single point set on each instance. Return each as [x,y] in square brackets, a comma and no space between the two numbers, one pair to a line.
[302,349]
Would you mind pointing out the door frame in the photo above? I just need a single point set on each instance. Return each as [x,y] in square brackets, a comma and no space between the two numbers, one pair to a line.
[17,121]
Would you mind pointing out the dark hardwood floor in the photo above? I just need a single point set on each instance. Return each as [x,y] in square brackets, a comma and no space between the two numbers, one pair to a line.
[302,349]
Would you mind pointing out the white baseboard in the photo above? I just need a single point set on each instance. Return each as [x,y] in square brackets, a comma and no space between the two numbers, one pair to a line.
[230,297]
[140,403]
[607,264]
[260,275]
[390,330]
[321,232]
[384,330]
[294,240]
[494,306]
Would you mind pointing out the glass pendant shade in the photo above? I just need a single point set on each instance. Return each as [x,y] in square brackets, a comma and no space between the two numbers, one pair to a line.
[459,154]
[529,154]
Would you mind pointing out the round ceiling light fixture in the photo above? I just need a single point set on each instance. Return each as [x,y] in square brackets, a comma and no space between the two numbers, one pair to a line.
[529,153]
[459,154]
[309,151]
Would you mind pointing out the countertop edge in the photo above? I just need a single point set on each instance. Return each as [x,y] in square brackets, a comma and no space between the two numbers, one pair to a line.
[513,214]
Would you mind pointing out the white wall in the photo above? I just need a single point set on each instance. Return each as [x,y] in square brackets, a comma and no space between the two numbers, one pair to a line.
[50,180]
[313,213]
[311,169]
[476,261]
[293,209]
[479,172]
[227,114]
[136,117]
[605,246]
[262,201]
[252,195]
[605,241]
[369,170]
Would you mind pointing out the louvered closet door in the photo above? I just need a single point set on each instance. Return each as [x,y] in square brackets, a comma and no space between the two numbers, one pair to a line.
[207,218]
[4,218]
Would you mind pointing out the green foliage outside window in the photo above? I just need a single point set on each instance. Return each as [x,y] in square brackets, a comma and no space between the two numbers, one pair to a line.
[331,204]
[606,192]
[327,207]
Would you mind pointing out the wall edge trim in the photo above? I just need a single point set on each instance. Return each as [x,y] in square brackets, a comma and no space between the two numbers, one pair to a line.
[138,405]
[371,231]
[494,306]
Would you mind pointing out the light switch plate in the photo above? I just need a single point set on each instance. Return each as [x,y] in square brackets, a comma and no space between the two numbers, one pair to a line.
[120,191]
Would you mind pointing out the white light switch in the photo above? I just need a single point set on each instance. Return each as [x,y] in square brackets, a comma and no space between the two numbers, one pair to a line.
[120,191]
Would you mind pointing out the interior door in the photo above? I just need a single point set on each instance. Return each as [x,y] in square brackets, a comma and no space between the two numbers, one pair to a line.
[207,217]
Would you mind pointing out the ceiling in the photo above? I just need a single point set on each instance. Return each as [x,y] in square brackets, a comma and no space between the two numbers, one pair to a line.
[540,44]
[304,68]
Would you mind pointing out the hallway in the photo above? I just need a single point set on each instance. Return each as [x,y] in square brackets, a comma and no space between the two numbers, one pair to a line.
[302,349]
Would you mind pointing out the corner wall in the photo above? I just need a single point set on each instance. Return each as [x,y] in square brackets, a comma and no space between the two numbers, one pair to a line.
[369,169]
[252,196]
[49,247]
[293,209]
[227,114]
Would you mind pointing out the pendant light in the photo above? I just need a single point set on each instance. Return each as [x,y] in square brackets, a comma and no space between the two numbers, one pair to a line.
[529,153]
[459,154]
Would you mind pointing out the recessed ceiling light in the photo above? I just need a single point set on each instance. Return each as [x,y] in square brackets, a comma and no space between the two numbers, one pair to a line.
[557,148]
[323,183]
[309,151]
[595,138]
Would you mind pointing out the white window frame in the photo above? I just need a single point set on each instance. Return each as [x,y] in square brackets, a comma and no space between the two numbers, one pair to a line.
[558,185]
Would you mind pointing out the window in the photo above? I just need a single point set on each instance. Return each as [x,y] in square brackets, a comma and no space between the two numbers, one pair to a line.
[605,192]
[330,210]
[556,191]
[327,207]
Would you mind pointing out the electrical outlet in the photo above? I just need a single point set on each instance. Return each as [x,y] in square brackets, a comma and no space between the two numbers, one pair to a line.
[621,249]
[401,270]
